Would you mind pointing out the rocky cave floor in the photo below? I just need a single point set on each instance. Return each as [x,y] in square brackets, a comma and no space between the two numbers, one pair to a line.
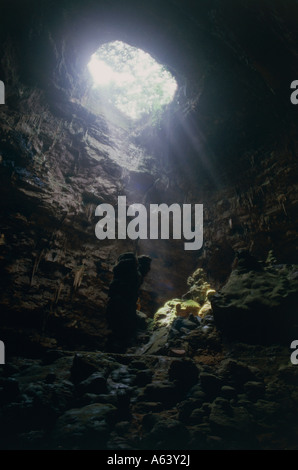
[204,394]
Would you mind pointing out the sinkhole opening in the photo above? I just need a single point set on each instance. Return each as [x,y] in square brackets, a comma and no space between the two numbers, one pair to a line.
[131,80]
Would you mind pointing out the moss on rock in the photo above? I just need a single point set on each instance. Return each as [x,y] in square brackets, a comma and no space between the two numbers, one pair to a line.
[200,291]
[175,308]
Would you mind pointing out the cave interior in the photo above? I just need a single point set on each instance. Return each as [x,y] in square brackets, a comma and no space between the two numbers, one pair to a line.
[135,344]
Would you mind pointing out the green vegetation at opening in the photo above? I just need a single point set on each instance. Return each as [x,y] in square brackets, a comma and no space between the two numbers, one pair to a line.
[131,80]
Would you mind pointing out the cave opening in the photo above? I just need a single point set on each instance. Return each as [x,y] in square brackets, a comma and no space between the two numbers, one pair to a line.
[131,80]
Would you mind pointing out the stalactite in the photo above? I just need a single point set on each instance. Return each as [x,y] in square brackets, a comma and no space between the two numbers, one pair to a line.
[58,292]
[35,266]
[281,200]
[78,277]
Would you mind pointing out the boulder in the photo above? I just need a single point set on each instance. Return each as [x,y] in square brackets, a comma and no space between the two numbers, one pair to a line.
[96,383]
[258,306]
[210,384]
[184,372]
